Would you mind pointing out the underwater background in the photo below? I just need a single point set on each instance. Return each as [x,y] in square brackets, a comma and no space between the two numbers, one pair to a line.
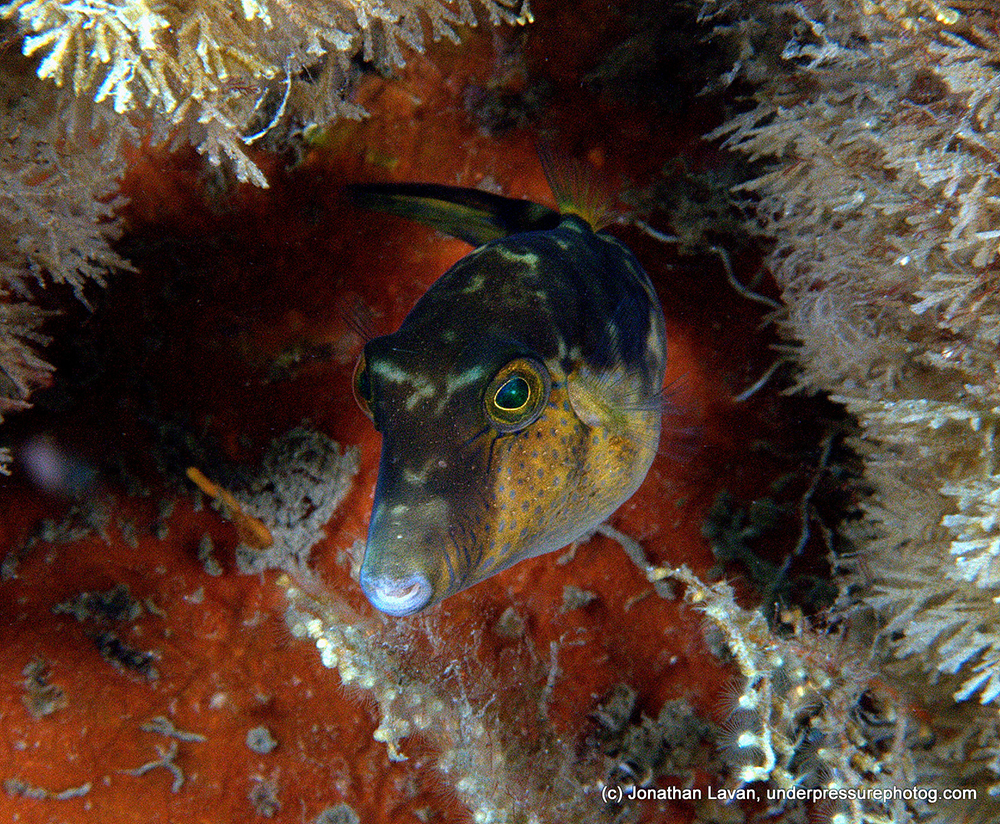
[795,617]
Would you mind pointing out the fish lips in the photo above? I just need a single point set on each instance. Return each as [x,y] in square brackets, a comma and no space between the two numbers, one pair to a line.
[397,595]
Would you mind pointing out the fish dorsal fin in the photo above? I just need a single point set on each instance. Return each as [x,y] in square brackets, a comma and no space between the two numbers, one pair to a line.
[471,215]
[577,189]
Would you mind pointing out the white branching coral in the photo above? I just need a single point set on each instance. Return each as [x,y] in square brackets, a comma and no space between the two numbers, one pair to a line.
[220,75]
[225,73]
[879,120]
[812,716]
[818,718]
[883,205]
[21,368]
[56,217]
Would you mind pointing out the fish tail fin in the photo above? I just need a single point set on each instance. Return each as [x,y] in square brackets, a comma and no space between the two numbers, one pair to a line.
[576,189]
[468,214]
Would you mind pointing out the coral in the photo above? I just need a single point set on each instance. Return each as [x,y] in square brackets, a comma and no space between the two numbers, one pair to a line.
[879,124]
[114,73]
[224,74]
[58,194]
[338,814]
[303,478]
[41,697]
[675,743]
[482,754]
[21,369]
[56,218]
[812,715]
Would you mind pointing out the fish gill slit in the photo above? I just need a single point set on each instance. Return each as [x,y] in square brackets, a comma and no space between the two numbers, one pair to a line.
[489,457]
[476,437]
[453,581]
[461,561]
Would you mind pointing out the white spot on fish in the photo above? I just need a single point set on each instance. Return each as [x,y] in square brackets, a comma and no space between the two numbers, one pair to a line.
[414,478]
[654,341]
[455,382]
[474,285]
[425,389]
[529,259]
[390,372]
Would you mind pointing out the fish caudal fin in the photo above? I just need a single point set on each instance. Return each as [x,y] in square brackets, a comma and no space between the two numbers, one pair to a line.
[469,214]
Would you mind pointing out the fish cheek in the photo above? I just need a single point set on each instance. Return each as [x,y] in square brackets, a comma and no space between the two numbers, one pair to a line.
[534,479]
[618,459]
[568,476]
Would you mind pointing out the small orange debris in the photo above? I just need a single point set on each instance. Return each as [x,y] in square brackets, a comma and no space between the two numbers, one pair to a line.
[252,531]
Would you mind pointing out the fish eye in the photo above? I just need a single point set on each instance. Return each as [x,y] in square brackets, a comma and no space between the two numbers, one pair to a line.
[517,394]
[513,394]
[361,383]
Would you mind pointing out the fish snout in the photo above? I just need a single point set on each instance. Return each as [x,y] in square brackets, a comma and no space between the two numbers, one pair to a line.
[405,543]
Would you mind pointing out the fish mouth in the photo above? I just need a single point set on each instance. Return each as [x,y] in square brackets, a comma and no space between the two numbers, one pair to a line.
[397,596]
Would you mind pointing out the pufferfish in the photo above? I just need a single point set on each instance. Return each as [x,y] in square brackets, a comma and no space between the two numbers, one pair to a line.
[519,402]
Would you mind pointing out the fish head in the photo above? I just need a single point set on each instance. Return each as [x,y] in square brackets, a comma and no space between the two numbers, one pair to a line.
[434,493]
[490,454]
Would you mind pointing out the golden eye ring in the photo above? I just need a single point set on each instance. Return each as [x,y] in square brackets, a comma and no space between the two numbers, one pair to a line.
[361,384]
[517,394]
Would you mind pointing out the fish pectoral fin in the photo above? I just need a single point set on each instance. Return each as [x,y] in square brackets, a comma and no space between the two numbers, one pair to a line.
[469,214]
[609,401]
[587,403]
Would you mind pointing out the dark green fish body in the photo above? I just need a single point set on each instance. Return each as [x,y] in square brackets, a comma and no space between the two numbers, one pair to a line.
[519,401]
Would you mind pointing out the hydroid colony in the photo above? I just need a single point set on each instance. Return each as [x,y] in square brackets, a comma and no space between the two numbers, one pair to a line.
[222,76]
[879,124]
[226,74]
